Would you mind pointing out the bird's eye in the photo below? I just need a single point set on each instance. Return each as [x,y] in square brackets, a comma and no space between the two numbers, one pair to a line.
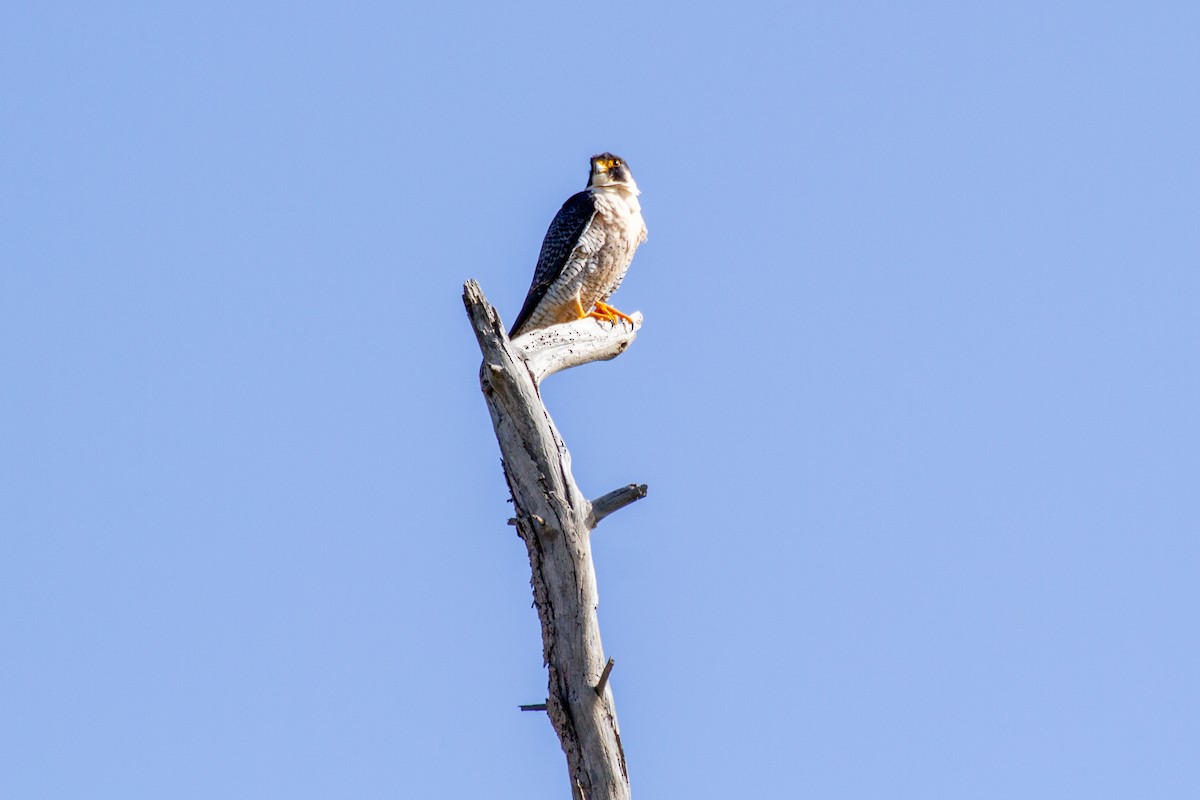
[616,162]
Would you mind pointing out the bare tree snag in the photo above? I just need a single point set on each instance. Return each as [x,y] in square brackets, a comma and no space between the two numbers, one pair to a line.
[555,520]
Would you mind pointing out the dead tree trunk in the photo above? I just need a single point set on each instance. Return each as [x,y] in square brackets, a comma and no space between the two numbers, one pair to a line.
[555,521]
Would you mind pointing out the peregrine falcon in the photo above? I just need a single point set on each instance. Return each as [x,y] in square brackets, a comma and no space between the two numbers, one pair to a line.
[586,250]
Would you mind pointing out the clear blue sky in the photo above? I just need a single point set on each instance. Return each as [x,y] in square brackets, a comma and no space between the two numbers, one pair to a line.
[917,397]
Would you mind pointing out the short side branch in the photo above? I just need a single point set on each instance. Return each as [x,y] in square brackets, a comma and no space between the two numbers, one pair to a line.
[604,676]
[615,501]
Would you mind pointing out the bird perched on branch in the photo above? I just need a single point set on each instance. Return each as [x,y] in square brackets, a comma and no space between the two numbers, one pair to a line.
[586,251]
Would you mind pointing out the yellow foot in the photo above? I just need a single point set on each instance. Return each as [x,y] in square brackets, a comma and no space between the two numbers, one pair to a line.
[611,314]
[600,312]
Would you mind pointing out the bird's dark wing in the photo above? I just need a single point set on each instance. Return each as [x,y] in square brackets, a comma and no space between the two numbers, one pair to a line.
[569,224]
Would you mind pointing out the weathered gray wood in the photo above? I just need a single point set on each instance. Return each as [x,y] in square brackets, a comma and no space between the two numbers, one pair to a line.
[555,519]
[559,347]
[615,501]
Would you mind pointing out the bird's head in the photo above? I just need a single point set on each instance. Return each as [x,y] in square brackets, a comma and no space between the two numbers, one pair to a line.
[610,170]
